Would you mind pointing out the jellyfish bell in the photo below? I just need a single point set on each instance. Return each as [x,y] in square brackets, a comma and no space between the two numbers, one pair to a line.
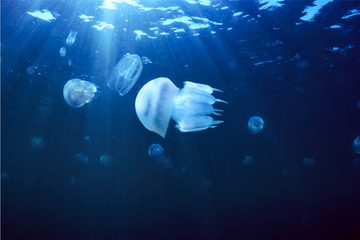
[255,124]
[160,100]
[77,92]
[154,104]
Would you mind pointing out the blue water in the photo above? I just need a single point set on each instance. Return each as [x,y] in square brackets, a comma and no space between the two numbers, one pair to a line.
[248,49]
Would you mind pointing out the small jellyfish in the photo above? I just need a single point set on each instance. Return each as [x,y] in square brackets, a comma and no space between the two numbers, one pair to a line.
[255,124]
[299,89]
[165,161]
[86,137]
[4,175]
[37,142]
[156,32]
[207,183]
[297,57]
[62,52]
[358,105]
[71,37]
[125,74]
[30,70]
[74,179]
[356,145]
[249,161]
[156,151]
[356,162]
[303,63]
[106,160]
[70,62]
[145,60]
[308,162]
[180,171]
[77,92]
[82,158]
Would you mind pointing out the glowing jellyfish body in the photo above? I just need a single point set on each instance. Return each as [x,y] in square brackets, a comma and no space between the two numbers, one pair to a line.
[160,100]
[356,145]
[125,74]
[37,142]
[106,160]
[77,92]
[255,124]
[145,60]
[62,52]
[156,151]
[82,158]
[249,161]
[71,37]
[308,162]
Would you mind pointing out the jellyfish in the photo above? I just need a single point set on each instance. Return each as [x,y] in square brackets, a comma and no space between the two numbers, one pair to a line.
[125,74]
[207,183]
[356,162]
[249,161]
[82,158]
[145,60]
[77,92]
[308,162]
[156,151]
[160,100]
[71,37]
[255,124]
[62,52]
[180,171]
[356,145]
[106,160]
[37,142]
[74,179]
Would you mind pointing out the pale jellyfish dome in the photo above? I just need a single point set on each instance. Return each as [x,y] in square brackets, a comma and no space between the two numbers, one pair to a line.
[159,93]
[255,124]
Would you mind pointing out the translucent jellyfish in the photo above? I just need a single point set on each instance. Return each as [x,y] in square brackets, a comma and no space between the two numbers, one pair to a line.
[249,161]
[207,183]
[86,137]
[180,171]
[303,63]
[156,151]
[125,74]
[156,32]
[77,92]
[4,175]
[62,52]
[30,70]
[356,145]
[106,160]
[299,89]
[308,162]
[74,179]
[37,142]
[70,62]
[160,100]
[356,162]
[255,124]
[145,60]
[71,37]
[82,158]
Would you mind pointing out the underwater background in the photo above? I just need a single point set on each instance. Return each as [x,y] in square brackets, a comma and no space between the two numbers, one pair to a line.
[295,64]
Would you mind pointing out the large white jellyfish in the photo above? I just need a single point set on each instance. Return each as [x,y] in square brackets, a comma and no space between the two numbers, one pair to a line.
[160,100]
